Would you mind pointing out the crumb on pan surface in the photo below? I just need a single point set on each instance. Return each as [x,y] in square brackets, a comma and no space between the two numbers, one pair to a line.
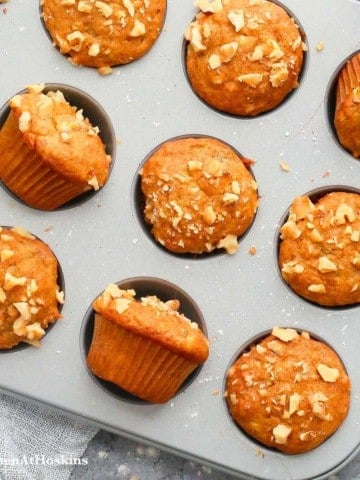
[199,195]
[243,56]
[347,110]
[289,391]
[102,34]
[319,254]
[29,293]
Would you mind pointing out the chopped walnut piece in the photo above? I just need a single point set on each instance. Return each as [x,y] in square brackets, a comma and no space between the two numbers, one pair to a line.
[104,8]
[317,288]
[228,50]
[208,6]
[5,254]
[257,54]
[233,399]
[209,215]
[236,18]
[193,35]
[285,334]
[94,50]
[325,265]
[356,259]
[316,236]
[138,29]
[251,79]
[320,46]
[281,433]
[105,70]
[129,7]
[328,374]
[229,243]
[289,230]
[10,281]
[278,74]
[230,198]
[93,182]
[214,61]
[292,267]
[23,232]
[122,304]
[297,43]
[284,166]
[84,6]
[194,165]
[59,296]
[75,40]
[275,346]
[343,214]
[34,331]
[24,309]
[19,327]
[24,121]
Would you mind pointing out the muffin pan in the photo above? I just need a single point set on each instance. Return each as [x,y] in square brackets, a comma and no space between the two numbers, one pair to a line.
[241,296]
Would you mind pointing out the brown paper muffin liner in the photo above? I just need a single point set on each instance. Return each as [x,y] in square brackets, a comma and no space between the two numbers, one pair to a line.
[136,364]
[349,78]
[25,174]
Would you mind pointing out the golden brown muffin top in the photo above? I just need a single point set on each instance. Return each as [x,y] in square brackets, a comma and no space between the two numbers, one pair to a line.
[101,34]
[29,293]
[319,252]
[61,136]
[199,195]
[243,56]
[155,320]
[347,112]
[289,391]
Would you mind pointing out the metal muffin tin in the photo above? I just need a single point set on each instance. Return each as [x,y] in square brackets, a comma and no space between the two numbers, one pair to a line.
[241,297]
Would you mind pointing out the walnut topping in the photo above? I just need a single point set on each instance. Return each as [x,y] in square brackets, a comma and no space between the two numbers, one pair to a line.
[10,281]
[193,35]
[294,402]
[328,374]
[229,243]
[24,122]
[84,6]
[260,349]
[303,435]
[344,213]
[209,215]
[276,52]
[75,40]
[5,254]
[289,230]
[104,8]
[194,165]
[24,310]
[129,7]
[207,6]
[325,265]
[59,296]
[281,433]
[292,267]
[122,304]
[19,327]
[233,399]
[235,187]
[23,233]
[251,79]
[214,61]
[285,334]
[105,70]
[356,95]
[138,29]
[94,50]
[297,43]
[356,260]
[316,236]
[236,18]
[228,50]
[278,74]
[93,182]
[230,198]
[67,3]
[317,288]
[257,54]
[275,346]
[355,236]
[34,331]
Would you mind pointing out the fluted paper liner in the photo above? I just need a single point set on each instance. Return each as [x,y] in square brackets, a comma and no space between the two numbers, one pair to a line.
[136,364]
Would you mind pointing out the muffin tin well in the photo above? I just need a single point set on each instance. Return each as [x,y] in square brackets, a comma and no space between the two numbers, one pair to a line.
[103,239]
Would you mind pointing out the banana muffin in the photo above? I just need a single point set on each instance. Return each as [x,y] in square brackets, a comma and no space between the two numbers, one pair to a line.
[29,290]
[50,153]
[347,110]
[144,345]
[103,34]
[243,56]
[289,391]
[199,195]
[319,254]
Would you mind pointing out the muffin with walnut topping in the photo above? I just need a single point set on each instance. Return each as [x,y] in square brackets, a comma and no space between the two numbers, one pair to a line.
[347,111]
[103,34]
[319,253]
[50,153]
[243,56]
[29,290]
[144,345]
[199,195]
[289,391]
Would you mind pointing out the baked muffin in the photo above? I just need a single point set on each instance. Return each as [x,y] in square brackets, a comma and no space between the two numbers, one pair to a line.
[50,153]
[29,292]
[145,346]
[103,34]
[319,254]
[289,391]
[199,195]
[243,56]
[347,110]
